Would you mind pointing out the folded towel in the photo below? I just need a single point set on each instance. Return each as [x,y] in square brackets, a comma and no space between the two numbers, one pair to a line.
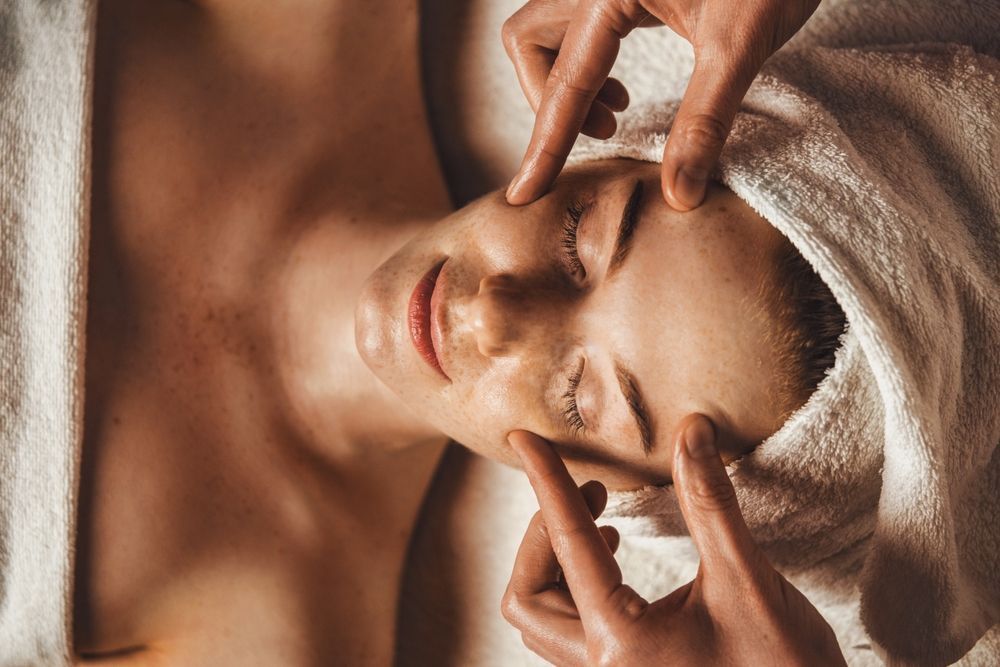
[880,164]
[45,73]
[654,555]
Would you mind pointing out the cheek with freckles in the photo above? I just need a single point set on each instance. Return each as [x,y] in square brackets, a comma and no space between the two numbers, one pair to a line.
[482,413]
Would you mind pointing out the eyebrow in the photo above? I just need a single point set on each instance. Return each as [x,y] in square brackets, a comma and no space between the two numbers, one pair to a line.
[626,229]
[630,390]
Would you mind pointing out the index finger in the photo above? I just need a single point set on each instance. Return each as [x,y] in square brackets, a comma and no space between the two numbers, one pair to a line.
[586,55]
[587,563]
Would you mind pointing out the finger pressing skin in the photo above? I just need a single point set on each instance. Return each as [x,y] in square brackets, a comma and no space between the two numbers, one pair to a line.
[709,505]
[581,68]
[587,563]
[700,129]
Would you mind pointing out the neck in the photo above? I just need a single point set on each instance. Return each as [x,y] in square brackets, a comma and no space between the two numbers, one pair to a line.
[347,221]
[333,400]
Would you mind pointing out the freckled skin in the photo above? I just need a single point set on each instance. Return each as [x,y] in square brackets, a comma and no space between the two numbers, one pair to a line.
[675,314]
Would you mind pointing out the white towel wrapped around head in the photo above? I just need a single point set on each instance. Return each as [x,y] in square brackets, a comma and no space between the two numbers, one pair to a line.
[879,164]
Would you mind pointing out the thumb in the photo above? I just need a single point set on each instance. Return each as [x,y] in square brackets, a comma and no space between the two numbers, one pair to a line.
[708,500]
[701,127]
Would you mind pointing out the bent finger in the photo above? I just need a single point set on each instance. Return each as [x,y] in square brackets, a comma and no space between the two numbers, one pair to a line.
[580,70]
[587,563]
[611,536]
[613,94]
[596,496]
[536,567]
[532,37]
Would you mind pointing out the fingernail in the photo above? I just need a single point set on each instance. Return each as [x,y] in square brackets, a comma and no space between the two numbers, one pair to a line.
[699,438]
[514,188]
[689,187]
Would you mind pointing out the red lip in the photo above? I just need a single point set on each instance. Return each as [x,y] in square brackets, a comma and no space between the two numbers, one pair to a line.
[424,327]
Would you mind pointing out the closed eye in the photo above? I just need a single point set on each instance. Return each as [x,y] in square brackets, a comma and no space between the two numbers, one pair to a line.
[571,224]
[571,412]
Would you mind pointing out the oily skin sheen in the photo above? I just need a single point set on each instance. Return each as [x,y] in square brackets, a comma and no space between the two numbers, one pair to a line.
[519,321]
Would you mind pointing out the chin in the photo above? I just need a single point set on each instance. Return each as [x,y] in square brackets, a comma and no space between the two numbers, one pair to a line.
[378,336]
[383,342]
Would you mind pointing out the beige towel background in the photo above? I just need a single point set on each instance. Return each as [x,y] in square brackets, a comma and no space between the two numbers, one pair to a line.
[879,164]
[45,63]
[655,563]
[45,48]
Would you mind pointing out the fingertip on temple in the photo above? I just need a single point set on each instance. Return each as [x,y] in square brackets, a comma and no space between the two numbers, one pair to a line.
[683,190]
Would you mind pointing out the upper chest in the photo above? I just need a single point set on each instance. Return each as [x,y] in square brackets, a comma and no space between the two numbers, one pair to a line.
[227,115]
[205,161]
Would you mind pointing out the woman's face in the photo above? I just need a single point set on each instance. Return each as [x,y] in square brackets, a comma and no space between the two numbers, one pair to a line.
[596,317]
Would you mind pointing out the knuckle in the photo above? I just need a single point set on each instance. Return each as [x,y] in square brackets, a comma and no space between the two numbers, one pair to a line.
[542,538]
[628,601]
[618,15]
[510,33]
[562,539]
[511,607]
[712,494]
[606,652]
[530,643]
[703,131]
[563,83]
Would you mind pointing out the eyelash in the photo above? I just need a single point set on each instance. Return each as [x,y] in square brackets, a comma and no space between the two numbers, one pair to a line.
[571,223]
[571,412]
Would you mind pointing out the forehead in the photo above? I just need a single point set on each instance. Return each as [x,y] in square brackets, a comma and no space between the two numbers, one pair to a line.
[690,329]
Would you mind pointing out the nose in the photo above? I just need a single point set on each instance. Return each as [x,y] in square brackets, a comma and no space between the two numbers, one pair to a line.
[506,315]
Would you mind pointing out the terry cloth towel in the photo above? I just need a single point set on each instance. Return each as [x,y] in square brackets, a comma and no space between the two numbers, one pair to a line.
[45,74]
[880,165]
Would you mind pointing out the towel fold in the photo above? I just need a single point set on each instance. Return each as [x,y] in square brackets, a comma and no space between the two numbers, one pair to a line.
[45,79]
[879,163]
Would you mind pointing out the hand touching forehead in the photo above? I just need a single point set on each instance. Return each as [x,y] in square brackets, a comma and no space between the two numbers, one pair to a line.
[596,317]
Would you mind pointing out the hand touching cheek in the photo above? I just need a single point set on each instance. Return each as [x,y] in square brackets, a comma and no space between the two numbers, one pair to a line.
[737,610]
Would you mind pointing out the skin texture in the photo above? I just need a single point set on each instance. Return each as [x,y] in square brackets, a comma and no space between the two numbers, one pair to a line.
[235,440]
[563,51]
[516,321]
[567,598]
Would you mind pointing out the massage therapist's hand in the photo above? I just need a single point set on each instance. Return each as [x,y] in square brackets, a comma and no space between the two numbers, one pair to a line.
[563,51]
[737,611]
